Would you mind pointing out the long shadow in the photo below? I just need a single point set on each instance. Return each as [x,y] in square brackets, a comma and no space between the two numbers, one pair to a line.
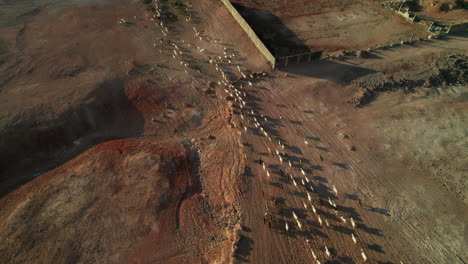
[329,70]
[244,248]
[27,146]
[279,39]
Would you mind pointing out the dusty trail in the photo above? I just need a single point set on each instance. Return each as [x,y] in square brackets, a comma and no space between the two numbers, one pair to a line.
[364,174]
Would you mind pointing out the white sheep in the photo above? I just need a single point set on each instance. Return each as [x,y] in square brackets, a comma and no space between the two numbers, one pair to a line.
[305,141]
[286,226]
[354,238]
[299,224]
[289,162]
[313,254]
[305,205]
[320,220]
[268,174]
[364,257]
[343,219]
[313,209]
[353,224]
[294,215]
[309,197]
[326,222]
[303,172]
[335,190]
[327,251]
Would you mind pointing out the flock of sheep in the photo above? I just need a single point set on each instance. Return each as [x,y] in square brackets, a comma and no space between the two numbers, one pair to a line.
[250,120]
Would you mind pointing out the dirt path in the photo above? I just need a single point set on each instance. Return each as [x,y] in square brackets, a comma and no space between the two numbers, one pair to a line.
[400,219]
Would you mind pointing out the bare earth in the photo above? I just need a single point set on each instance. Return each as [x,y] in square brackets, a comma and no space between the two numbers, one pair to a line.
[111,151]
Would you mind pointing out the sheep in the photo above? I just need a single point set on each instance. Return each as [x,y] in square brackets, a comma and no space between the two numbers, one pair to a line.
[313,209]
[330,201]
[289,162]
[264,168]
[364,257]
[313,254]
[320,220]
[305,141]
[353,224]
[343,219]
[268,174]
[238,68]
[307,179]
[294,215]
[353,238]
[245,128]
[326,222]
[299,224]
[335,190]
[305,205]
[303,172]
[302,181]
[327,252]
[250,83]
[280,159]
[309,197]
[286,226]
[277,152]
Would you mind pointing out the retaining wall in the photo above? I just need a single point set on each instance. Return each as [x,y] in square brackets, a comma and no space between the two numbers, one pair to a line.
[247,29]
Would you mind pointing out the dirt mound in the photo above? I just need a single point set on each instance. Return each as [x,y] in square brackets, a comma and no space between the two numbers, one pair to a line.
[113,203]
[441,71]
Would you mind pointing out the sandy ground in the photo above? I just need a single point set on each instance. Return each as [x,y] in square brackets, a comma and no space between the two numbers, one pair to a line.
[326,25]
[112,151]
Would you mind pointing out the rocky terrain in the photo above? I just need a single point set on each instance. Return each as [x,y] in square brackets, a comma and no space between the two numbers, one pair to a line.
[155,132]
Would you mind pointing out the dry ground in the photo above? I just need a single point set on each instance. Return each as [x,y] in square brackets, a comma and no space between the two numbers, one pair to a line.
[111,153]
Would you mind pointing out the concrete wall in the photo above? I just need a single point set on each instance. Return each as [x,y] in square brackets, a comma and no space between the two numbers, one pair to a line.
[245,26]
